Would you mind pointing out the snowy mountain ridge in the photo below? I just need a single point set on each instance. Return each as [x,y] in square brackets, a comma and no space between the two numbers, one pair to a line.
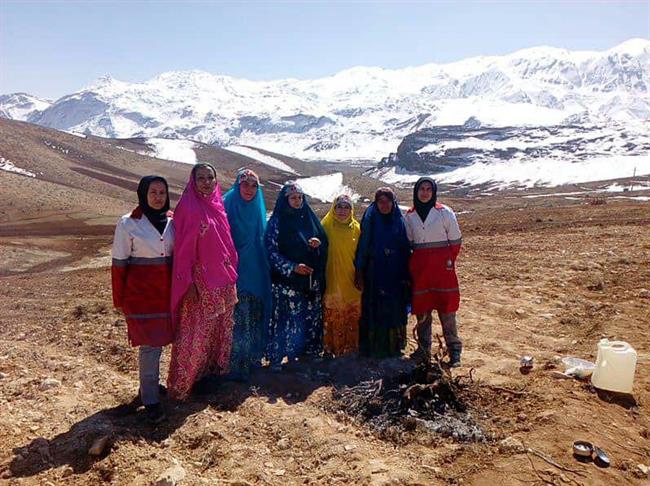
[363,113]
[20,106]
[519,157]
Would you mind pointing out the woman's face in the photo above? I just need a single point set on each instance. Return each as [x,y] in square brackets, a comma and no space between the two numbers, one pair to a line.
[247,190]
[157,195]
[342,211]
[205,180]
[384,204]
[295,200]
[425,192]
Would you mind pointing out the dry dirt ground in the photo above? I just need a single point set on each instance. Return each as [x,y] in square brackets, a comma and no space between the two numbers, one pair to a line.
[547,280]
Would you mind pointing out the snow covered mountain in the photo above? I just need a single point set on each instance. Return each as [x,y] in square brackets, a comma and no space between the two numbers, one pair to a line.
[363,113]
[504,157]
[21,106]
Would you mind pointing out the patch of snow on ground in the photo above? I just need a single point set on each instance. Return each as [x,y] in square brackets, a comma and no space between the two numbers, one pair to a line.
[260,157]
[146,153]
[76,134]
[56,147]
[636,198]
[175,150]
[397,175]
[326,187]
[628,187]
[8,166]
[553,194]
[531,173]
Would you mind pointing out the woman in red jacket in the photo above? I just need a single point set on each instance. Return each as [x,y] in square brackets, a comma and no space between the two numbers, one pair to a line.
[435,237]
[141,277]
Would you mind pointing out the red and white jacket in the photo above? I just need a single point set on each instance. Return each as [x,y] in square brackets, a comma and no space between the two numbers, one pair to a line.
[436,243]
[141,277]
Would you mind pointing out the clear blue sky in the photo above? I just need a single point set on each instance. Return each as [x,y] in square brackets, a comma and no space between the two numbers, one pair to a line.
[52,48]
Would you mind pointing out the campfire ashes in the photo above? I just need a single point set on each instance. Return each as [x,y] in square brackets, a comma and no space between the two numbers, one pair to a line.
[424,400]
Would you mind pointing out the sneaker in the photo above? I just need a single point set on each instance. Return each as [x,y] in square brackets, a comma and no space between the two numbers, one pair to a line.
[155,413]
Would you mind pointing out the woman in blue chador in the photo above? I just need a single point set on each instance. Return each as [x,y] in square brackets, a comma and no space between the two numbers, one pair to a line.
[297,247]
[246,210]
[382,274]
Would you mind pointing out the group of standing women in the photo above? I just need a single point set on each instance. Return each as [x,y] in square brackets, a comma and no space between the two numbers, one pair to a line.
[228,290]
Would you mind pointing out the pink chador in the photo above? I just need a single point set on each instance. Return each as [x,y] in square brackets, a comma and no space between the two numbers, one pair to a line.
[204,256]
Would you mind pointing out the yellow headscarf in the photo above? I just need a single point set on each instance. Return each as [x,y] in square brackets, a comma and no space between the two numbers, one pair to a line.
[342,237]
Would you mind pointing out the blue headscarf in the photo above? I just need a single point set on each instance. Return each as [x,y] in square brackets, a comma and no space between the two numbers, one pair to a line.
[383,250]
[247,225]
[296,227]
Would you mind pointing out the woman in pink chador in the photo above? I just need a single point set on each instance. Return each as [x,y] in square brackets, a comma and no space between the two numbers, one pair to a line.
[203,284]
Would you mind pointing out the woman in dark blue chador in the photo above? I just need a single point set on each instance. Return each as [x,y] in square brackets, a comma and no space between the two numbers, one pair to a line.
[382,274]
[297,248]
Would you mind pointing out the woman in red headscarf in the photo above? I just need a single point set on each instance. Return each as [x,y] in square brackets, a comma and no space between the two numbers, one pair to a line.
[203,284]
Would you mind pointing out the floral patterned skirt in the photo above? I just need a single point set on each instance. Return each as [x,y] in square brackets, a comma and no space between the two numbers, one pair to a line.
[341,328]
[296,326]
[203,338]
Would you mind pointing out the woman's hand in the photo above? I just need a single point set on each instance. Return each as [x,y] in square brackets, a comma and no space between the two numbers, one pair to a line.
[192,294]
[358,280]
[302,269]
[314,242]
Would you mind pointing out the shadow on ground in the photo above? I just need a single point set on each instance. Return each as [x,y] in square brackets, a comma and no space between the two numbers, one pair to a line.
[127,422]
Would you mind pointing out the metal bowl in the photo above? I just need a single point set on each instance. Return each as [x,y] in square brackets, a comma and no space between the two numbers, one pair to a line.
[526,362]
[601,458]
[582,448]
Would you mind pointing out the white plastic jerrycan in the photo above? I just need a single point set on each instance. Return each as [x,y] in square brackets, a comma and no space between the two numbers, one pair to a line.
[615,366]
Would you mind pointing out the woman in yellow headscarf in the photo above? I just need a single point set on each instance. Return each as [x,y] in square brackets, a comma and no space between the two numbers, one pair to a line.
[342,300]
